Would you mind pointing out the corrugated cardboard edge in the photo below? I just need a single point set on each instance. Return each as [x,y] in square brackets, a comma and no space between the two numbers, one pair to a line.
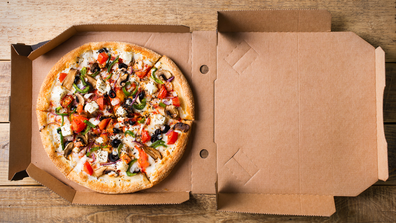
[20,110]
[274,21]
[86,198]
[381,141]
[280,204]
[108,28]
[51,182]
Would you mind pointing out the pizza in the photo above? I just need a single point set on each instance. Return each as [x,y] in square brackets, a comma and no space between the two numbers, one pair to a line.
[115,117]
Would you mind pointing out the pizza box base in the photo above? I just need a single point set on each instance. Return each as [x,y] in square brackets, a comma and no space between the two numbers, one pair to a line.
[288,113]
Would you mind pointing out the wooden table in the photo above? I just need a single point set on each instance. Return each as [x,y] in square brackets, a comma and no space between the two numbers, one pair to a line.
[35,21]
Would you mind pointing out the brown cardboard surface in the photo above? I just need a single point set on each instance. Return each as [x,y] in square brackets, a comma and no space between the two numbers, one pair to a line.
[274,21]
[21,68]
[306,135]
[382,145]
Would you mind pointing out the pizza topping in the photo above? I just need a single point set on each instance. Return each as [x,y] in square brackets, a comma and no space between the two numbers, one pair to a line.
[163,92]
[181,127]
[95,68]
[163,75]
[69,80]
[171,111]
[126,57]
[68,149]
[122,166]
[99,172]
[80,99]
[152,152]
[87,168]
[158,119]
[81,140]
[91,80]
[58,93]
[91,107]
[66,130]
[145,136]
[121,82]
[121,112]
[165,128]
[151,87]
[102,156]
[102,57]
[172,137]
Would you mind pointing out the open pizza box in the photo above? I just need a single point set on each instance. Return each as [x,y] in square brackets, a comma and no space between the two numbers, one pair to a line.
[288,114]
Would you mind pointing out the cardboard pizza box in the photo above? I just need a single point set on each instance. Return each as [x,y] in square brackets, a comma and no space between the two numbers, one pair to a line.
[288,114]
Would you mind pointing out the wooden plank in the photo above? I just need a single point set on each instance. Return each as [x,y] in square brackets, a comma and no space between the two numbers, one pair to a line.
[32,22]
[390,93]
[31,204]
[4,148]
[5,89]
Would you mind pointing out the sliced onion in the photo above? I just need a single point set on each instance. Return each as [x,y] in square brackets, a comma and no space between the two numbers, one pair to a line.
[136,96]
[68,138]
[171,130]
[167,102]
[139,143]
[171,79]
[107,164]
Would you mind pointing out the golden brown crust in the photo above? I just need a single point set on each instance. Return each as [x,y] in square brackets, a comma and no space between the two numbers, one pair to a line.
[182,88]
[110,185]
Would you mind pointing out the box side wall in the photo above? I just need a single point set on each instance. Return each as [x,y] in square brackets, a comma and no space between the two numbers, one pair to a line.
[383,173]
[20,117]
[293,204]
[274,21]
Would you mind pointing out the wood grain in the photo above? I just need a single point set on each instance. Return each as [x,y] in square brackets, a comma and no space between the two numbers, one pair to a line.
[32,204]
[390,94]
[5,89]
[4,148]
[32,22]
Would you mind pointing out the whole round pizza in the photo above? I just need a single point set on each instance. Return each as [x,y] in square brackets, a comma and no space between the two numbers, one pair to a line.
[115,117]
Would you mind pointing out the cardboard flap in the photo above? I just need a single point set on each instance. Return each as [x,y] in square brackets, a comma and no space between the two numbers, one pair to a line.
[20,117]
[128,199]
[51,182]
[274,21]
[204,71]
[292,204]
[382,145]
[103,28]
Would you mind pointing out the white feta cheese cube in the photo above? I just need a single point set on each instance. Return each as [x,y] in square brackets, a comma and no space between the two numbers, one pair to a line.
[101,156]
[122,166]
[126,57]
[94,121]
[99,140]
[121,112]
[91,107]
[66,130]
[101,86]
[151,87]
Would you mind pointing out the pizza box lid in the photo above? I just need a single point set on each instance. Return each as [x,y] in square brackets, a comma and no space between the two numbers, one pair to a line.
[279,115]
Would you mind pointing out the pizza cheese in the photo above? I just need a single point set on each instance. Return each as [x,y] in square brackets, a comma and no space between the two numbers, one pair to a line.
[115,117]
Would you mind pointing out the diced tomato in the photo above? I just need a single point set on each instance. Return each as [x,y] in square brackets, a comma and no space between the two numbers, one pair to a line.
[141,74]
[78,124]
[163,92]
[176,102]
[102,124]
[87,168]
[66,101]
[148,121]
[172,137]
[110,126]
[62,76]
[102,57]
[120,60]
[145,136]
[126,158]
[80,109]
[143,159]
[101,102]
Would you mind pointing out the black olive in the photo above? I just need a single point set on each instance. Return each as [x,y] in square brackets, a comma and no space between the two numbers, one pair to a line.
[95,68]
[76,79]
[156,136]
[136,171]
[131,122]
[128,101]
[141,95]
[122,65]
[103,50]
[102,117]
[112,94]
[165,128]
[59,131]
[115,130]
[115,143]
[113,157]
